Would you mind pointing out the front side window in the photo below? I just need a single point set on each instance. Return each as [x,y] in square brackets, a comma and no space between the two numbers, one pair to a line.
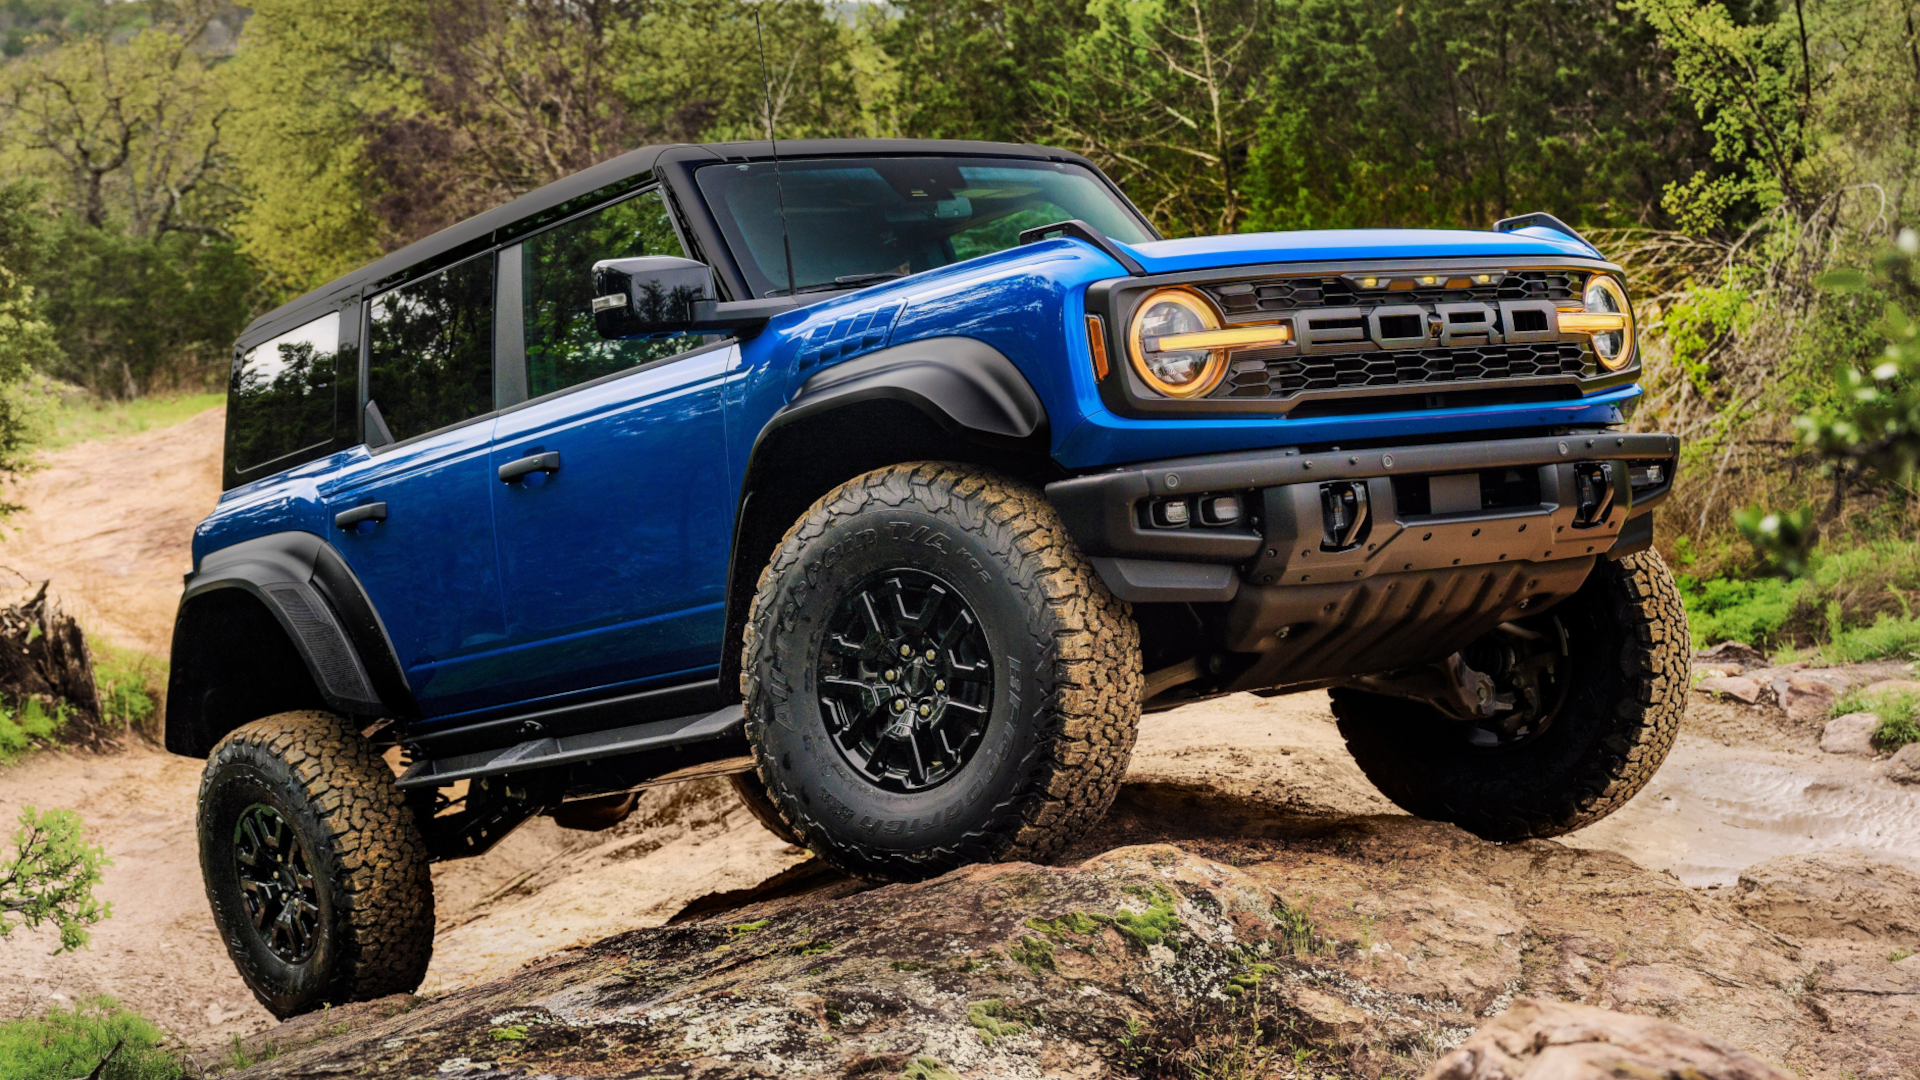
[280,399]
[430,350]
[852,222]
[563,348]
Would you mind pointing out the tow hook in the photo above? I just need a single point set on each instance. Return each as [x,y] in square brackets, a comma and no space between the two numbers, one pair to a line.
[1344,510]
[1593,493]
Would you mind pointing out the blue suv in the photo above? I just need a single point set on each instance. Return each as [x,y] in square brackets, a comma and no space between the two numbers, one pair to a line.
[894,480]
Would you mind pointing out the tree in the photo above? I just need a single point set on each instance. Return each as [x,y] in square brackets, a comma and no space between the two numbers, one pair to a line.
[51,876]
[1165,94]
[124,131]
[26,341]
[1437,113]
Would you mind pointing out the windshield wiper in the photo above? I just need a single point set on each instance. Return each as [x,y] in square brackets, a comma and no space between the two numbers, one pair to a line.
[849,279]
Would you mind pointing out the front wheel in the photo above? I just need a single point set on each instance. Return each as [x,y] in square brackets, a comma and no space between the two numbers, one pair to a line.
[1597,686]
[935,676]
[317,874]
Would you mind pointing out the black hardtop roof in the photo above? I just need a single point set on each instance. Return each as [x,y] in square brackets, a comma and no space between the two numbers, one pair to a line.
[486,229]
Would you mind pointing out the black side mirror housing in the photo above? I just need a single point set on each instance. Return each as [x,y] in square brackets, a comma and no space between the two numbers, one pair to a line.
[660,294]
[651,295]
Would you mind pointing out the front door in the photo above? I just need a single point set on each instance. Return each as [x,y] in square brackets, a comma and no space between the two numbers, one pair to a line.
[615,513]
[423,544]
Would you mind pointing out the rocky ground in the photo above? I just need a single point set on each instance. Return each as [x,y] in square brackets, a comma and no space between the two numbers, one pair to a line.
[1199,927]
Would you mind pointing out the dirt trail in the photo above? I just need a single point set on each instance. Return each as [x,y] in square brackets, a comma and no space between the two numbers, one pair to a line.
[111,524]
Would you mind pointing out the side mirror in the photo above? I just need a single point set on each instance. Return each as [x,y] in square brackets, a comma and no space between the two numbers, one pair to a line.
[651,295]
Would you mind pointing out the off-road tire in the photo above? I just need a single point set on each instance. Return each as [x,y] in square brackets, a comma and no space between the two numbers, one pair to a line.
[1628,636]
[753,795]
[1066,659]
[368,862]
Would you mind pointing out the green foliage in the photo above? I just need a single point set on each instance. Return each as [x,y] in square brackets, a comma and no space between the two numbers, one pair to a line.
[131,685]
[993,1021]
[928,1068]
[66,1043]
[1079,923]
[21,728]
[512,1033]
[51,876]
[1435,112]
[1035,953]
[1898,710]
[1149,927]
[1298,935]
[78,418]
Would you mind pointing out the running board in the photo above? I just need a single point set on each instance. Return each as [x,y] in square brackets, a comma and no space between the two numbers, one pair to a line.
[535,754]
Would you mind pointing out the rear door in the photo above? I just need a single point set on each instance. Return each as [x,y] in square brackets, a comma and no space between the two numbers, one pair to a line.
[614,536]
[424,547]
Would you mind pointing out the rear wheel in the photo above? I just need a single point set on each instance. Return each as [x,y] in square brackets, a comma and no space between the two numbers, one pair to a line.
[934,676]
[1595,688]
[317,874]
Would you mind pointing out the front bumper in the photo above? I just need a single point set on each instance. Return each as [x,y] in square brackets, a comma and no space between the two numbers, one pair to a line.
[1459,538]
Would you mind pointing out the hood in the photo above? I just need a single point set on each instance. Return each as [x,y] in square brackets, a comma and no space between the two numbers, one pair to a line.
[1334,245]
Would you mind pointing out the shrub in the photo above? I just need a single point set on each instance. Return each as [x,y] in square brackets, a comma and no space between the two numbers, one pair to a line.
[132,685]
[66,1043]
[51,876]
[30,723]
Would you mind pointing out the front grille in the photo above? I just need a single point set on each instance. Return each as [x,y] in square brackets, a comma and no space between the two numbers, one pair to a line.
[1264,373]
[1279,373]
[1295,294]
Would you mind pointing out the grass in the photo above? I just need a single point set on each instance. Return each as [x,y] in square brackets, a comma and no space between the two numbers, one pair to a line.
[1851,605]
[29,725]
[1898,710]
[82,418]
[131,685]
[66,1043]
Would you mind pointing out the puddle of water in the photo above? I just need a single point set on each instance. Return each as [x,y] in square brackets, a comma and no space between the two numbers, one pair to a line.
[1712,811]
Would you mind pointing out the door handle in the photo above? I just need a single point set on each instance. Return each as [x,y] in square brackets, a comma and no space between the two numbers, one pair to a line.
[349,520]
[548,462]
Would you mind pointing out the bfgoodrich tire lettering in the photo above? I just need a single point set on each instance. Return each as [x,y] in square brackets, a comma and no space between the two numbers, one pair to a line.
[1065,694]
[370,932]
[1628,634]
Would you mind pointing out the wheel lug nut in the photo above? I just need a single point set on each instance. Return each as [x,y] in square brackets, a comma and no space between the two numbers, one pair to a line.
[899,704]
[891,675]
[906,650]
[926,710]
[931,654]
[939,684]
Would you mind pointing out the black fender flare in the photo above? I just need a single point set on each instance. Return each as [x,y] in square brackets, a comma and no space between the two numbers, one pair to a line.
[326,617]
[963,384]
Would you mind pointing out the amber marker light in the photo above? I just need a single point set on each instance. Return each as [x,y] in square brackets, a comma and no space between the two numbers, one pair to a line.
[1097,345]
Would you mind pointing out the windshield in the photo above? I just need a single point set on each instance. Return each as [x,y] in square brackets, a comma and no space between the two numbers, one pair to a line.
[855,222]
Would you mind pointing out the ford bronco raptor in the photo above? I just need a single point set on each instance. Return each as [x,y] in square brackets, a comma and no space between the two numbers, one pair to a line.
[895,480]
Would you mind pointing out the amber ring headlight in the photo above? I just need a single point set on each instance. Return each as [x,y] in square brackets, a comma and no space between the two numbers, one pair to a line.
[1184,370]
[1607,317]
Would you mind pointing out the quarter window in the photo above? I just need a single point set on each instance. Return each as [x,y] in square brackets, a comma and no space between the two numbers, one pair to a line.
[430,350]
[557,270]
[280,399]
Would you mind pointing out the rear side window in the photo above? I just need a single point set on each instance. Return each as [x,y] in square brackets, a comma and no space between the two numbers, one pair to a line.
[280,399]
[562,348]
[430,350]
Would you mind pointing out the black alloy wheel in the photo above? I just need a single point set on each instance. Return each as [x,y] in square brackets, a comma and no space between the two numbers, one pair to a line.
[1531,666]
[905,680]
[934,676]
[1596,690]
[276,884]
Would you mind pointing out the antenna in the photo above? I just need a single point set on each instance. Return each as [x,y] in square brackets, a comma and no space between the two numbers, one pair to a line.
[780,194]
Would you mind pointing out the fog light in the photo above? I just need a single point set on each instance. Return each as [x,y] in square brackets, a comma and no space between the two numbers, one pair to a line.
[1172,513]
[1220,509]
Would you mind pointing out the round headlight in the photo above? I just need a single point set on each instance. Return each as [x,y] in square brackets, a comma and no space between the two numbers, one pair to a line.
[1176,372]
[1605,296]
